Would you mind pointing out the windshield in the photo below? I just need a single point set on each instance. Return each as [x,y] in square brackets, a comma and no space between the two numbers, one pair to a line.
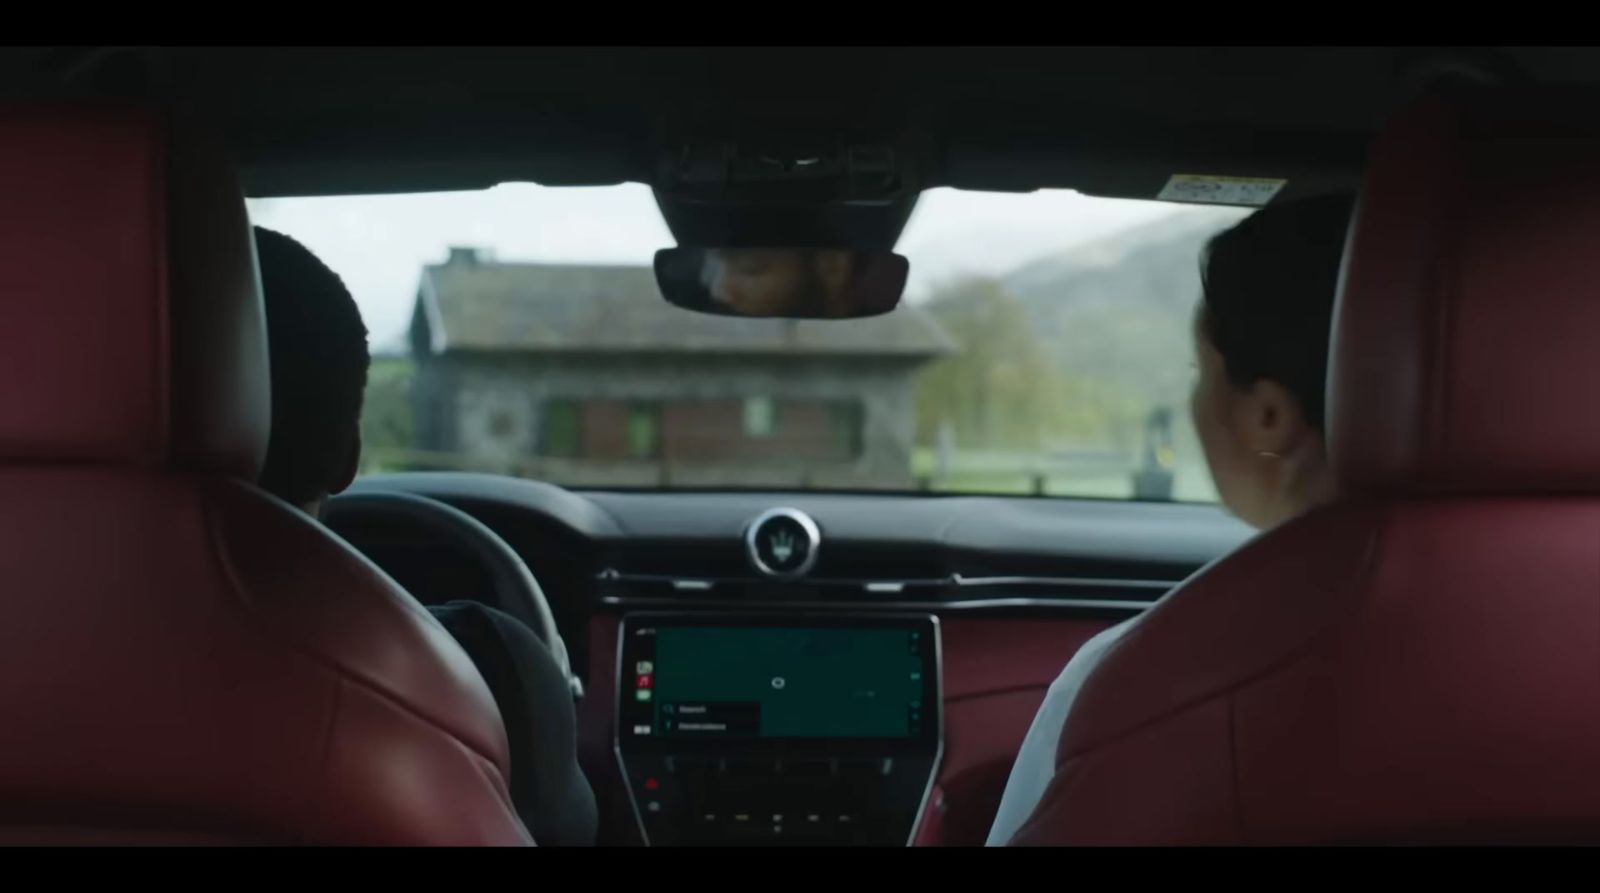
[1043,348]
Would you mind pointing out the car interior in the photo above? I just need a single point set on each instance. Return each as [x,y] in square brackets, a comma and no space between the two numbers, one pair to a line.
[837,631]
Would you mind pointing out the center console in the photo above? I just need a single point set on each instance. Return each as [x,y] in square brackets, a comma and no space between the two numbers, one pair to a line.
[797,729]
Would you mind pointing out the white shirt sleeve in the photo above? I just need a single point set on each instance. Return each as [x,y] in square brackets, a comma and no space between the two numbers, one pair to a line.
[1036,761]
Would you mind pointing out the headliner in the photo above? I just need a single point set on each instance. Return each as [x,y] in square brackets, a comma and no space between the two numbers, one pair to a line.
[1113,121]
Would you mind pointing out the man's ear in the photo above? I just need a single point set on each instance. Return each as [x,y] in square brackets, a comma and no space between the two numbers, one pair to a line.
[351,463]
[1271,420]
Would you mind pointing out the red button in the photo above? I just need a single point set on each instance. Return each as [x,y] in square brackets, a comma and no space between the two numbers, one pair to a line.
[644,681]
[651,784]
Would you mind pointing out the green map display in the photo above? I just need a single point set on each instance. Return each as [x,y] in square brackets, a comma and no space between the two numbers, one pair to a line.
[802,683]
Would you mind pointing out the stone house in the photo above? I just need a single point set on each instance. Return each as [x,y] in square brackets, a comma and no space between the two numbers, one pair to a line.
[583,375]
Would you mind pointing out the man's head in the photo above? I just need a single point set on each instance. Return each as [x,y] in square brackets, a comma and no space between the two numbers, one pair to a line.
[317,346]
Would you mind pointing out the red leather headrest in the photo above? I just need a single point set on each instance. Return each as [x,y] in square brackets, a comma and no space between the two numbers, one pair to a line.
[1466,347]
[133,330]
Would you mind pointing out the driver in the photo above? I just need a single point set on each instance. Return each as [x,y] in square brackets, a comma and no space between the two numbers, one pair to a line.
[317,350]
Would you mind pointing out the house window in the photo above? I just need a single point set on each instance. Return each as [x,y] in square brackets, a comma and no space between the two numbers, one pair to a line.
[760,417]
[644,430]
[561,429]
[500,424]
[847,424]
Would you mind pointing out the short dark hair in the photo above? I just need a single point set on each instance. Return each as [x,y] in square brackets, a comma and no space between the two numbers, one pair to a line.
[317,347]
[1268,286]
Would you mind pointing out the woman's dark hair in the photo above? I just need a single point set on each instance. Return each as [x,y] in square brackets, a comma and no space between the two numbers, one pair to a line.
[1268,287]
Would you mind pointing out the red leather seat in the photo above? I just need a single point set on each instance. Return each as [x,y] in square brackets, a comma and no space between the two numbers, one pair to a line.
[184,658]
[1421,661]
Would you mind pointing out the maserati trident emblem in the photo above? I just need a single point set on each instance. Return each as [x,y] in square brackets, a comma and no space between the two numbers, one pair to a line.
[782,543]
[782,546]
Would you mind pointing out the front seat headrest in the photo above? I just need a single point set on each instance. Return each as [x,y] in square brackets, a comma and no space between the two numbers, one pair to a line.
[1464,355]
[127,239]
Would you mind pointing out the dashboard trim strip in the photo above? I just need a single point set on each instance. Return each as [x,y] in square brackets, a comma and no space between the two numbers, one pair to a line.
[1064,604]
[611,575]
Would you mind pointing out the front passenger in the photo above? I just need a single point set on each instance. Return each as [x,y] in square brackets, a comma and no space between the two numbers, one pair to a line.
[1261,344]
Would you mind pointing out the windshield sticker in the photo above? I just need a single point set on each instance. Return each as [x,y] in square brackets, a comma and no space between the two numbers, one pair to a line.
[1210,190]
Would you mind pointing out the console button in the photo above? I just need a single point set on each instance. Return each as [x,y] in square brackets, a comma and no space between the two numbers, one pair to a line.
[687,769]
[750,768]
[800,769]
[864,768]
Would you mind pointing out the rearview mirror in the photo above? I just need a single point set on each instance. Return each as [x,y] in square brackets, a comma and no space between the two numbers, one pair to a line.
[793,283]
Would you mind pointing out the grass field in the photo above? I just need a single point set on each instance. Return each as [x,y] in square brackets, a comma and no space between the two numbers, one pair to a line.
[986,473]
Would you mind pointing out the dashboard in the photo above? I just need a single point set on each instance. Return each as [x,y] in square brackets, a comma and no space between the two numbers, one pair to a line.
[808,668]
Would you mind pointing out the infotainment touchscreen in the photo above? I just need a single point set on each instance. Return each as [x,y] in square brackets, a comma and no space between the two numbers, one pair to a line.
[719,679]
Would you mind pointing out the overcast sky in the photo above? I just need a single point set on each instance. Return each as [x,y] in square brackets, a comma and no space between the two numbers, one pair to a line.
[379,244]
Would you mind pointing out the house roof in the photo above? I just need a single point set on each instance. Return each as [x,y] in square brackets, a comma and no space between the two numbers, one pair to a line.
[479,305]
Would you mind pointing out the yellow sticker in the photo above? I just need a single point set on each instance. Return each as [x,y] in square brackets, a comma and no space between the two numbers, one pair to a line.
[1213,190]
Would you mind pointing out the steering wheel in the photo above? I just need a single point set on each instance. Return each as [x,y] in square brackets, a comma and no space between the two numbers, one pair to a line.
[516,590]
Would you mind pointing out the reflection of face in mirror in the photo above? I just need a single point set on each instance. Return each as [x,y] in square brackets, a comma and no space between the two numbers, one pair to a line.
[776,283]
[769,282]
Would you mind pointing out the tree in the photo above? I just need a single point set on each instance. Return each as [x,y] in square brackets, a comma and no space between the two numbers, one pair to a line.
[1002,388]
[1135,359]
[387,420]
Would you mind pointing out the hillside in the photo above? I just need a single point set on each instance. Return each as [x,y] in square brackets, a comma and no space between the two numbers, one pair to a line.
[1119,309]
[1154,265]
[1092,340]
